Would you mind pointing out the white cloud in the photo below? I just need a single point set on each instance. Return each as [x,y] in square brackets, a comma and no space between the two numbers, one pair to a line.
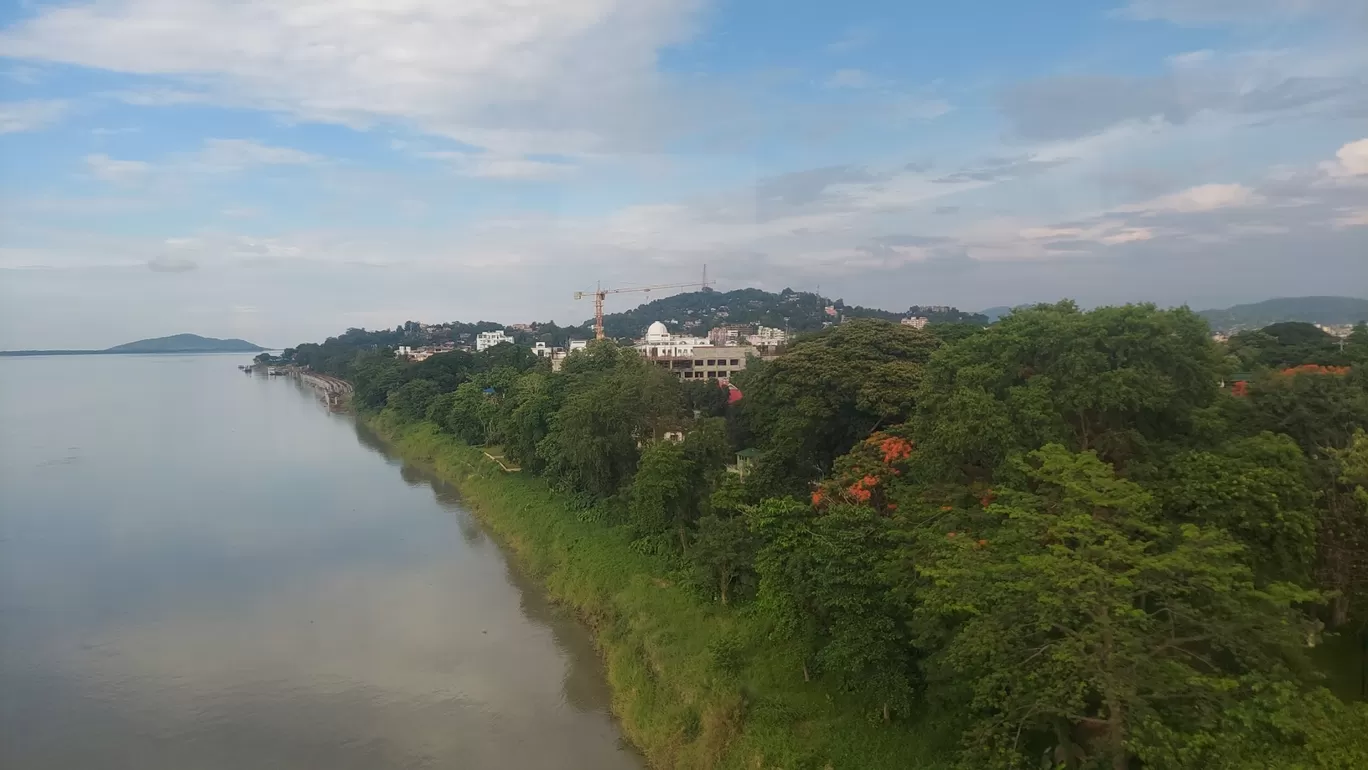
[110,170]
[1191,58]
[573,71]
[237,154]
[216,156]
[491,166]
[30,115]
[1352,218]
[1207,197]
[1350,160]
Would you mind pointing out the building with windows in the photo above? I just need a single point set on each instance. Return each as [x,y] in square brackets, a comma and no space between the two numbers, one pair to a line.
[692,358]
[487,340]
[916,322]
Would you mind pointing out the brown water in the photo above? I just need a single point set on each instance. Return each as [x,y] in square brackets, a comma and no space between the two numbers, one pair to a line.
[201,569]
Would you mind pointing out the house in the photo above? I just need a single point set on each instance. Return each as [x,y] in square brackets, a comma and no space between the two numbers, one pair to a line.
[916,322]
[487,340]
[745,460]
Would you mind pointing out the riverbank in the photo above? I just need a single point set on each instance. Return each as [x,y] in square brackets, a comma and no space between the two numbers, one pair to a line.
[695,684]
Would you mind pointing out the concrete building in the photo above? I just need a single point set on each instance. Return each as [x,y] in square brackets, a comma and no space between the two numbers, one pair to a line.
[414,354]
[916,322]
[1337,330]
[692,358]
[558,355]
[542,350]
[486,340]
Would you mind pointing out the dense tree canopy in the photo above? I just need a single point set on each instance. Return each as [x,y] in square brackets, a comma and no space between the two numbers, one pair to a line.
[1070,535]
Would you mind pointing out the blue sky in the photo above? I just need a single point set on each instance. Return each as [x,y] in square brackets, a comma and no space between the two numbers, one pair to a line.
[283,170]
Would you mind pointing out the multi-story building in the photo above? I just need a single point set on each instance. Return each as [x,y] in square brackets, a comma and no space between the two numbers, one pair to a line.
[692,358]
[486,340]
[916,322]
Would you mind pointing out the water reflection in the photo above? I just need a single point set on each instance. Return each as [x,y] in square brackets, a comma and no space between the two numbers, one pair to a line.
[584,685]
[227,579]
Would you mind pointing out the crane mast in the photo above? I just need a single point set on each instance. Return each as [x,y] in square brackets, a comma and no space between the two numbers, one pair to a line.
[599,293]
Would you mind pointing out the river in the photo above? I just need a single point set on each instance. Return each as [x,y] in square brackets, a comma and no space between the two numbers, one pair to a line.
[203,570]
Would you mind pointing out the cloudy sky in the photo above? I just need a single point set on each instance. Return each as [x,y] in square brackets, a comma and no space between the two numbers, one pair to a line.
[282,169]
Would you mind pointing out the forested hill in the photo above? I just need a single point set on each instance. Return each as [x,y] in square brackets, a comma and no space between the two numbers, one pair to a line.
[186,343]
[799,311]
[1315,310]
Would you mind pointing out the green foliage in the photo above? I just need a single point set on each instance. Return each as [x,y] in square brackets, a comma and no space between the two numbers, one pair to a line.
[411,399]
[1137,560]
[1079,625]
[1283,345]
[1316,410]
[1258,490]
[615,402]
[1114,380]
[811,405]
[661,499]
[833,580]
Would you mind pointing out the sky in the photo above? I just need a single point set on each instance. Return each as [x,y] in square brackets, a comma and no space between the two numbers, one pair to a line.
[283,170]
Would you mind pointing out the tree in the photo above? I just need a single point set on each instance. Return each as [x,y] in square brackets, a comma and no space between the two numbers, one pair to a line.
[1079,622]
[1115,380]
[373,375]
[526,416]
[1356,346]
[1286,344]
[661,498]
[1344,534]
[809,406]
[724,547]
[832,578]
[1257,489]
[1317,409]
[472,414]
[411,399]
[614,404]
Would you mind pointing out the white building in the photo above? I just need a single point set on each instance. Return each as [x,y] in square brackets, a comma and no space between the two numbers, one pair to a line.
[558,355]
[486,340]
[414,354]
[542,350]
[690,358]
[916,322]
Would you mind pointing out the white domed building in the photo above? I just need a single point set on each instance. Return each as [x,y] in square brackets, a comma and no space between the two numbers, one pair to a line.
[690,358]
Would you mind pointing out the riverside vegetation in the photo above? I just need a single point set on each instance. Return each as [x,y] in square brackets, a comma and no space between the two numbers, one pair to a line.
[1064,540]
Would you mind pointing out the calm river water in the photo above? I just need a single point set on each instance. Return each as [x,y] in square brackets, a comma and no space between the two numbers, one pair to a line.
[201,569]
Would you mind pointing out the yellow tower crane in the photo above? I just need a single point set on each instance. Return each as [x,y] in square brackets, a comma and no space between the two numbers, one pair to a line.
[599,293]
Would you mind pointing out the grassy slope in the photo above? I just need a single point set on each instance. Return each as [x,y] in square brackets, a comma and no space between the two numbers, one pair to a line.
[675,702]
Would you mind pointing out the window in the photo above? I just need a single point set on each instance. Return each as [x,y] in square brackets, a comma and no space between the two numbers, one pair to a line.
[712,362]
[712,374]
[734,362]
[698,363]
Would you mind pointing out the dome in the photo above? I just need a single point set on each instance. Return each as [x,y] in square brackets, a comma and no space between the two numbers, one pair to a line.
[657,332]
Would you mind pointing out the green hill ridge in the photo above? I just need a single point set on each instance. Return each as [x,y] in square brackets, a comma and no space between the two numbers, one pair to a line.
[1314,310]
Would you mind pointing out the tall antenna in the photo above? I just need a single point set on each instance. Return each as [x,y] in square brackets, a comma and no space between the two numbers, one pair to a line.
[705,276]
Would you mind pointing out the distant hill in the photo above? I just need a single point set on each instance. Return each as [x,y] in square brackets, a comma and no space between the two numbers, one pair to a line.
[177,343]
[1315,310]
[698,311]
[186,343]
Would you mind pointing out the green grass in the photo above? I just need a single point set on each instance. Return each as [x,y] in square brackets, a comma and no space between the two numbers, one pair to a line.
[695,684]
